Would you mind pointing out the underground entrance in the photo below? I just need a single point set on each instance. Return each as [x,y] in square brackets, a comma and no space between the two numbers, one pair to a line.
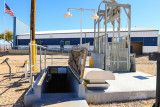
[57,80]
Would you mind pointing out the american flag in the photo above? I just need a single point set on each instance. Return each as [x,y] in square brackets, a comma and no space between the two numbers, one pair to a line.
[8,10]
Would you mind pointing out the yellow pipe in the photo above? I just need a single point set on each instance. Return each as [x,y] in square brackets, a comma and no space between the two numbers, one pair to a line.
[34,55]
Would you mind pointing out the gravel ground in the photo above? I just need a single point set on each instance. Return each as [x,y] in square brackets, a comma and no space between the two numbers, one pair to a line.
[138,103]
[12,92]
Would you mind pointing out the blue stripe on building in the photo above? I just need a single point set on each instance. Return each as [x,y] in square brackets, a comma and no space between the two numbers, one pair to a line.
[136,39]
[56,41]
[150,41]
[147,41]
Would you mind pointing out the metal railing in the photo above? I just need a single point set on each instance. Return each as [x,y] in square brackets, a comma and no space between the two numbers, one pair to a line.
[41,48]
[48,55]
[117,54]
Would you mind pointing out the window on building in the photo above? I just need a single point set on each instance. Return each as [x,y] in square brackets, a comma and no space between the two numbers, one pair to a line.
[67,42]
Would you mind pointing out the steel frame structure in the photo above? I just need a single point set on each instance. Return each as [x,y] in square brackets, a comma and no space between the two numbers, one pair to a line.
[110,14]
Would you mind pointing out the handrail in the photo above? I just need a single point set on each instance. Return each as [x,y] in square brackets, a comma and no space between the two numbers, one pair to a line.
[38,45]
[41,60]
[42,78]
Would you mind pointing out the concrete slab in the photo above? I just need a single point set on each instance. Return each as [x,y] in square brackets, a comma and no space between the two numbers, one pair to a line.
[125,87]
[60,100]
[72,103]
[97,74]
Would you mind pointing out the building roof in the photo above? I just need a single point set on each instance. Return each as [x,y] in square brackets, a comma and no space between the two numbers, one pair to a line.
[92,30]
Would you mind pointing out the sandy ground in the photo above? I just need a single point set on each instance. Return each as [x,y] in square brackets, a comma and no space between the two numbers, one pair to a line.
[12,92]
[146,66]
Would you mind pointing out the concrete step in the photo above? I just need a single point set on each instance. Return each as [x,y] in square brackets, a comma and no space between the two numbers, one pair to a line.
[60,100]
[57,96]
[75,102]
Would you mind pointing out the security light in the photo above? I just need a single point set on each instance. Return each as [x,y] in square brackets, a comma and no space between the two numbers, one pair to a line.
[68,14]
[95,16]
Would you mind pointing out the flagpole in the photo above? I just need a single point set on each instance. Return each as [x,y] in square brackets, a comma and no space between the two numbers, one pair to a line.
[4,25]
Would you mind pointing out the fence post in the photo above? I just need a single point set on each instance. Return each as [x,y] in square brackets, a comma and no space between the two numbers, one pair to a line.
[40,60]
[45,57]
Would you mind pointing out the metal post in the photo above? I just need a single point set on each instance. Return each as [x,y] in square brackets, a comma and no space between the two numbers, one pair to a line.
[4,25]
[119,32]
[40,60]
[155,67]
[52,60]
[106,39]
[9,71]
[31,80]
[85,37]
[94,36]
[81,29]
[158,85]
[119,25]
[129,33]
[45,57]
[98,35]
[36,52]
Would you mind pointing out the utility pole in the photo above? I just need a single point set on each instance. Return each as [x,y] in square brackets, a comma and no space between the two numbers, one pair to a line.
[32,32]
[155,56]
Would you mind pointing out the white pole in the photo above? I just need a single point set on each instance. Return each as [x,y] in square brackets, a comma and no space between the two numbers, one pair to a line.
[26,69]
[155,67]
[81,29]
[4,24]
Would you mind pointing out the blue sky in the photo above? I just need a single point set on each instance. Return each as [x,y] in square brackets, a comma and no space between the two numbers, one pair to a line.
[49,13]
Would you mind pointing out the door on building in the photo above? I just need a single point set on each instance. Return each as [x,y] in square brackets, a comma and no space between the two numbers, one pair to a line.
[137,47]
[62,45]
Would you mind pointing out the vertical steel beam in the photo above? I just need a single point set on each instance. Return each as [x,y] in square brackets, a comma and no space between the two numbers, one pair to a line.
[129,33]
[98,34]
[106,39]
[119,25]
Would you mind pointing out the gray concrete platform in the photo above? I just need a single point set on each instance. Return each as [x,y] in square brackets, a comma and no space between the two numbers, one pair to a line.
[71,103]
[125,87]
[60,100]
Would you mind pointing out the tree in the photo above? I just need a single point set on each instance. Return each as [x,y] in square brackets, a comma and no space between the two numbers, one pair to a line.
[8,37]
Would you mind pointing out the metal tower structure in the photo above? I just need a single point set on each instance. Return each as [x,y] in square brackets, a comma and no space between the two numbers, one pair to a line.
[113,51]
